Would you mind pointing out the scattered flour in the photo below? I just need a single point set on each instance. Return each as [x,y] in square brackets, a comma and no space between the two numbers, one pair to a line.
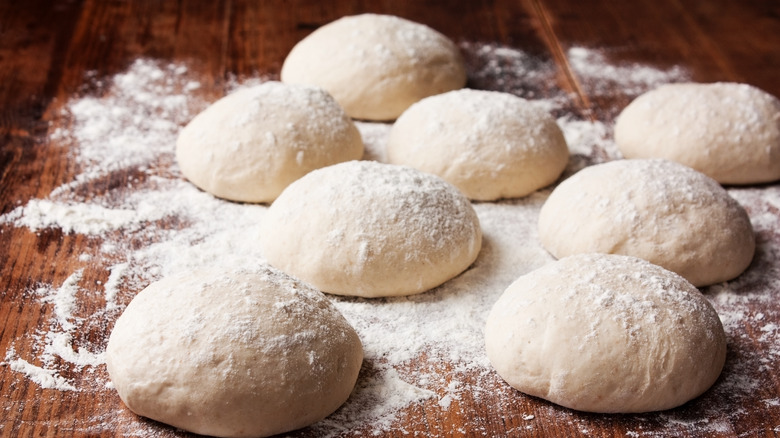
[114,283]
[46,378]
[64,299]
[500,68]
[158,224]
[369,403]
[60,344]
[374,139]
[600,77]
[89,219]
[57,339]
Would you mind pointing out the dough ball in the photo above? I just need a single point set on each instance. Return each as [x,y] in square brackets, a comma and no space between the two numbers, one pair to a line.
[606,333]
[488,144]
[728,131]
[370,229]
[657,210]
[250,145]
[233,353]
[376,65]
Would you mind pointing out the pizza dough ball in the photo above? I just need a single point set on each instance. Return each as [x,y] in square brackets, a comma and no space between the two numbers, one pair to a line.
[233,353]
[376,65]
[488,144]
[369,229]
[728,131]
[249,145]
[657,210]
[606,333]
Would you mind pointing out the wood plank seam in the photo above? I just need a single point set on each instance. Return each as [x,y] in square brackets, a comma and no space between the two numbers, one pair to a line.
[556,49]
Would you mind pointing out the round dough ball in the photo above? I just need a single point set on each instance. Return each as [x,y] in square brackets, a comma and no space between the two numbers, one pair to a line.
[369,229]
[376,65]
[233,353]
[657,210]
[606,333]
[249,145]
[728,131]
[488,144]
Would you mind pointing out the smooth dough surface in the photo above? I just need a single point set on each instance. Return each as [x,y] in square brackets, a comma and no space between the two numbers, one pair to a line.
[233,353]
[728,131]
[376,65]
[249,145]
[488,144]
[657,210]
[606,333]
[370,229]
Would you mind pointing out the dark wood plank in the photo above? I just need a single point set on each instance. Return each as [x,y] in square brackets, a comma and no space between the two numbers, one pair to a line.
[47,50]
[714,41]
[33,40]
[99,39]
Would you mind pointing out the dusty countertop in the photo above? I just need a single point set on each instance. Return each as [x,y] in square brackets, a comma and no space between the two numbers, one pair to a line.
[94,208]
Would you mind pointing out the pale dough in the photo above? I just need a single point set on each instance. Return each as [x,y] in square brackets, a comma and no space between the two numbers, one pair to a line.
[657,210]
[376,65]
[249,145]
[606,333]
[233,353]
[728,131]
[371,229]
[488,144]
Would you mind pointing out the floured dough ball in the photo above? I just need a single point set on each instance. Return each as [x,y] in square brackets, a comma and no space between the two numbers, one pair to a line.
[370,229]
[490,145]
[249,145]
[657,210]
[376,65]
[728,131]
[606,333]
[233,353]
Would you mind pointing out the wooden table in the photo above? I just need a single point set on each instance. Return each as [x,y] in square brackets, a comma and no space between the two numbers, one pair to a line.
[53,51]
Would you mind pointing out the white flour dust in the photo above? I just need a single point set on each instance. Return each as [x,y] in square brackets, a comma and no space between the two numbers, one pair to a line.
[600,77]
[157,224]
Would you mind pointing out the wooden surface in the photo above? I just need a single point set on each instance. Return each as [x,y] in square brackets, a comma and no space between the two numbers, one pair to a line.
[48,48]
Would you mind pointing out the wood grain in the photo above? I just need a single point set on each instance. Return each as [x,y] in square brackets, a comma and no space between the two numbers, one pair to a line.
[47,50]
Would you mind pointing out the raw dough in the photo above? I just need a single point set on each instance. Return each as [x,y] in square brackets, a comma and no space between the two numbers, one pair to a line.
[233,353]
[376,65]
[606,333]
[250,145]
[657,210]
[728,131]
[370,229]
[488,144]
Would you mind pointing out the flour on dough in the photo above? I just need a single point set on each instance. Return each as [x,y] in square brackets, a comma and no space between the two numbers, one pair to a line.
[250,145]
[233,353]
[728,131]
[376,65]
[488,144]
[370,229]
[658,210]
[606,333]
